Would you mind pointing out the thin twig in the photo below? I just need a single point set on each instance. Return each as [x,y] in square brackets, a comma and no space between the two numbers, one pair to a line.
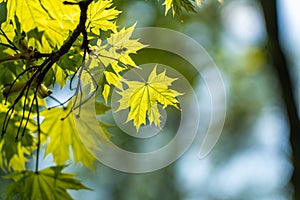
[38,133]
[43,69]
[8,40]
[23,114]
[9,46]
[15,80]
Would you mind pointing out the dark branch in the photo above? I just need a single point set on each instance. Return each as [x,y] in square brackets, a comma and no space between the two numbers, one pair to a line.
[8,40]
[70,3]
[66,47]
[39,75]
[280,66]
[38,132]
[9,46]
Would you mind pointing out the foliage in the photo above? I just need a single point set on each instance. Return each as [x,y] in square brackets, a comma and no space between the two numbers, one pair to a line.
[143,97]
[43,43]
[48,184]
[178,6]
[63,134]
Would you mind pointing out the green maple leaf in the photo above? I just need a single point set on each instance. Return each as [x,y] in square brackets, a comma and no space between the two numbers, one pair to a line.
[13,155]
[143,97]
[101,16]
[53,18]
[120,46]
[63,135]
[47,184]
[60,75]
[178,5]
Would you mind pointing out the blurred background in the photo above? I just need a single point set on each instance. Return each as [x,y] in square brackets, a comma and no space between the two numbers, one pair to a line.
[252,157]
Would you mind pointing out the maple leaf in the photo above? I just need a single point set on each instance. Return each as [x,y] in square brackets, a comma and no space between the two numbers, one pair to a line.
[65,132]
[63,135]
[120,46]
[60,76]
[101,16]
[143,97]
[53,18]
[47,184]
[178,5]
[14,155]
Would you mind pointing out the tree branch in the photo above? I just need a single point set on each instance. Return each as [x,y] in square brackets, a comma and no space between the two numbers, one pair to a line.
[30,55]
[39,75]
[280,67]
[66,47]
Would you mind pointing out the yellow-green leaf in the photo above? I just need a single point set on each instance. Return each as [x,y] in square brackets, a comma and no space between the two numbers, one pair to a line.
[142,98]
[14,155]
[101,15]
[113,79]
[63,135]
[60,76]
[177,6]
[105,92]
[120,46]
[53,18]
[168,4]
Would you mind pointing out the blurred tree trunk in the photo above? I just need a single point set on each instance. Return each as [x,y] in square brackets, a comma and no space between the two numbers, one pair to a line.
[280,67]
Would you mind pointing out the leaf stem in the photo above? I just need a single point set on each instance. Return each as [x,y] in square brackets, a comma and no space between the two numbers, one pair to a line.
[8,40]
[9,46]
[38,133]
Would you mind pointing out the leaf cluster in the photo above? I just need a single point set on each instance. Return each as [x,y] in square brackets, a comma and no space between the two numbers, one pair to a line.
[178,6]
[69,43]
[48,184]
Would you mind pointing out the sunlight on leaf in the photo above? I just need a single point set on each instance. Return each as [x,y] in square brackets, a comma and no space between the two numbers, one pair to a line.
[63,135]
[60,76]
[13,155]
[51,17]
[177,6]
[120,46]
[142,98]
[101,16]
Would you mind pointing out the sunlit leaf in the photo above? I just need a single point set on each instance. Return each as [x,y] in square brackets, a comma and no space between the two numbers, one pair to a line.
[120,46]
[13,155]
[63,135]
[106,92]
[101,15]
[142,98]
[53,18]
[177,6]
[60,76]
